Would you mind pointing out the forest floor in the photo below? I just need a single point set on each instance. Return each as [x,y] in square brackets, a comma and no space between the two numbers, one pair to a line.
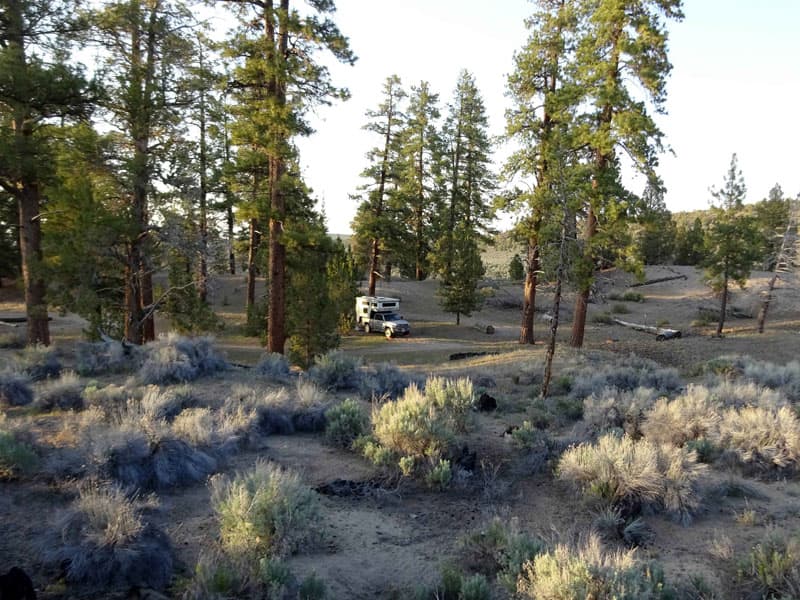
[384,543]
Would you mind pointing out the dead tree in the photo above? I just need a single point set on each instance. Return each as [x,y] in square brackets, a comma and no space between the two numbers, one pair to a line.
[783,263]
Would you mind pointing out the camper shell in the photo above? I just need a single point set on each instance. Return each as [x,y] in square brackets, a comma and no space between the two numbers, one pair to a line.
[381,314]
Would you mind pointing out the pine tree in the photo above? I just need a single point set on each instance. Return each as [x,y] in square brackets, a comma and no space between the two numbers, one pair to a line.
[420,178]
[145,51]
[689,243]
[375,223]
[277,81]
[621,55]
[459,292]
[37,88]
[732,239]
[544,95]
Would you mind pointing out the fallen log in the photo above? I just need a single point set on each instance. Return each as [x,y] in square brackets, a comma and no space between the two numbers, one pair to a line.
[483,328]
[660,332]
[658,280]
[11,320]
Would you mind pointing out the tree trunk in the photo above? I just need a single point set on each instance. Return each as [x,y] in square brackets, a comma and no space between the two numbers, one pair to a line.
[723,304]
[133,312]
[30,246]
[202,283]
[373,266]
[551,342]
[252,267]
[231,254]
[529,290]
[582,300]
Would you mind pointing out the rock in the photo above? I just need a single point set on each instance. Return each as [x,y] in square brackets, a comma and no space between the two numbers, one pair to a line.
[487,403]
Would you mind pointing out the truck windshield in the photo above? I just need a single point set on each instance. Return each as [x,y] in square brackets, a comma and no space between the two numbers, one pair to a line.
[391,317]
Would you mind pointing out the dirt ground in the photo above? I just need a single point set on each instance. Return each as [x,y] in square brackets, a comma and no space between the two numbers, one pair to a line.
[387,542]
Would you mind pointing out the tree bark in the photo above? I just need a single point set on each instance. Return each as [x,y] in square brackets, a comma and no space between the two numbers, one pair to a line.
[529,290]
[551,342]
[582,300]
[30,246]
[202,283]
[252,266]
[723,303]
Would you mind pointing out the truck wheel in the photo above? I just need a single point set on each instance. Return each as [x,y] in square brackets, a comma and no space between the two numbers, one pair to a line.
[366,328]
[388,333]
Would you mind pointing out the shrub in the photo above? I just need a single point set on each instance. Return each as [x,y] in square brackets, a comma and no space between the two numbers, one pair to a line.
[625,375]
[440,475]
[736,394]
[620,309]
[475,588]
[273,367]
[65,393]
[311,588]
[97,358]
[218,575]
[627,297]
[603,318]
[15,389]
[12,340]
[384,381]
[516,270]
[195,426]
[630,475]
[16,458]
[690,416]
[784,377]
[772,569]
[766,440]
[165,404]
[589,571]
[453,398]
[39,363]
[308,393]
[103,542]
[177,359]
[411,426]
[266,511]
[336,371]
[346,422]
[612,409]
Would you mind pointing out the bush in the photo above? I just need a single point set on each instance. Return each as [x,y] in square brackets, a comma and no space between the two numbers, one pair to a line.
[103,542]
[589,571]
[772,570]
[384,381]
[475,588]
[603,319]
[627,297]
[612,409]
[412,426]
[13,340]
[516,270]
[15,389]
[737,394]
[176,359]
[273,367]
[453,398]
[97,358]
[65,393]
[308,393]
[690,416]
[16,458]
[336,371]
[311,588]
[625,375]
[346,422]
[265,512]
[763,439]
[39,363]
[620,309]
[631,475]
[195,426]
[440,475]
[165,404]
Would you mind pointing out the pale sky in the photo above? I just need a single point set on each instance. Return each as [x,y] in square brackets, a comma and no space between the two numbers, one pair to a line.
[735,87]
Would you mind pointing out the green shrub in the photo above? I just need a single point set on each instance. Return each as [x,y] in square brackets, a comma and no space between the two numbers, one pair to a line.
[516,270]
[411,426]
[13,340]
[312,588]
[384,381]
[16,458]
[273,367]
[336,371]
[177,359]
[475,588]
[15,389]
[527,436]
[39,363]
[102,541]
[603,318]
[589,571]
[196,426]
[454,399]
[619,309]
[614,409]
[346,422]
[97,358]
[691,416]
[766,440]
[440,475]
[265,512]
[65,393]
[772,569]
[629,475]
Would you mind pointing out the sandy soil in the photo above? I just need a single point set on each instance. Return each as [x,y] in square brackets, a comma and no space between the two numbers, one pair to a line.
[384,544]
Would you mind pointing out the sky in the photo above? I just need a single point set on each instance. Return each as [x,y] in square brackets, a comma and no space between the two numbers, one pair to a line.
[734,87]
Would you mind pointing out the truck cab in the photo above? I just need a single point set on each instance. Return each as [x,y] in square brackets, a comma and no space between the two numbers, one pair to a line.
[379,313]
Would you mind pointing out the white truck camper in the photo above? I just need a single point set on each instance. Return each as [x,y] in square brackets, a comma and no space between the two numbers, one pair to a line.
[381,314]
